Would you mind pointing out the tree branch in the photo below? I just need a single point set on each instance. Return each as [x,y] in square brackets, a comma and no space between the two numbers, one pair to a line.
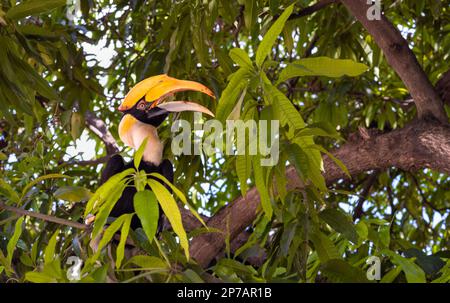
[401,59]
[359,210]
[98,127]
[312,9]
[421,144]
[48,218]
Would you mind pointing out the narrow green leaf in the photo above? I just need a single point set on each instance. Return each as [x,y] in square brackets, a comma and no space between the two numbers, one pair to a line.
[73,193]
[104,190]
[12,243]
[241,58]
[283,108]
[170,208]
[146,207]
[332,157]
[413,272]
[250,14]
[237,83]
[49,252]
[340,223]
[147,262]
[243,172]
[8,191]
[341,271]
[41,178]
[33,7]
[76,125]
[322,66]
[108,235]
[104,211]
[272,34]
[123,240]
[391,275]
[139,153]
[261,186]
[39,277]
[180,195]
[324,247]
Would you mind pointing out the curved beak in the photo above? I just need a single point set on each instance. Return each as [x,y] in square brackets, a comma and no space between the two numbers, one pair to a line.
[155,89]
[181,106]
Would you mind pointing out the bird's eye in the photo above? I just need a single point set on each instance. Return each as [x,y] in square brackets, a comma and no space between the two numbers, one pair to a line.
[141,105]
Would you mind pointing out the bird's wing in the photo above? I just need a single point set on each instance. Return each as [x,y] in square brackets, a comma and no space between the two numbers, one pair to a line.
[167,170]
[114,165]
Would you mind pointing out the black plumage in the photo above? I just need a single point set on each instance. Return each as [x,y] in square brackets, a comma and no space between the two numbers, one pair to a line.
[125,203]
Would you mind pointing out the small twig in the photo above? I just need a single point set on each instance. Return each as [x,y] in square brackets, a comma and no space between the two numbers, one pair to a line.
[312,9]
[92,162]
[358,212]
[48,218]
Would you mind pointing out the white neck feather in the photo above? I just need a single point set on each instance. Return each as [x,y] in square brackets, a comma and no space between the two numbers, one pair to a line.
[154,149]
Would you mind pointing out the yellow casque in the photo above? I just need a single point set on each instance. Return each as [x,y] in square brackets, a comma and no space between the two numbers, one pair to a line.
[156,87]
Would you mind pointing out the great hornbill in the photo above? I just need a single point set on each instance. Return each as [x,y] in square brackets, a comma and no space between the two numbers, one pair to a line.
[144,108]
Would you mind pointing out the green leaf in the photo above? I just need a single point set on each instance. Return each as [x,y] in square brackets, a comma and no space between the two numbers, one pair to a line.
[272,34]
[39,277]
[180,195]
[39,31]
[241,58]
[250,14]
[49,252]
[33,7]
[261,186]
[413,272]
[123,240]
[12,243]
[108,235]
[243,172]
[73,193]
[430,264]
[8,191]
[237,83]
[41,178]
[147,262]
[341,271]
[104,211]
[3,157]
[76,125]
[322,66]
[139,153]
[170,208]
[105,190]
[332,157]
[192,276]
[391,275]
[34,78]
[284,110]
[324,247]
[146,207]
[299,159]
[236,112]
[340,223]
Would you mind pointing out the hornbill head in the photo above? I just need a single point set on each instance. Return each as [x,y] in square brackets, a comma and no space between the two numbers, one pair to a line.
[146,106]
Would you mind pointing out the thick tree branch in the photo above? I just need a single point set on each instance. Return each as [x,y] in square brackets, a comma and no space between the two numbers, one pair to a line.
[421,144]
[401,59]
